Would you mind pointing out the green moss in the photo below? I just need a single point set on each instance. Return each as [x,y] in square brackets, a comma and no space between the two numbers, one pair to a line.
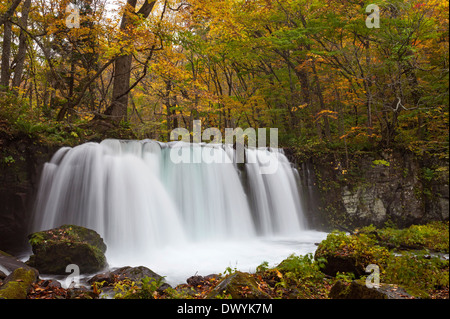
[300,277]
[433,236]
[85,235]
[145,289]
[418,272]
[17,284]
[4,254]
[54,257]
[340,290]
[54,249]
[68,234]
[13,290]
[362,247]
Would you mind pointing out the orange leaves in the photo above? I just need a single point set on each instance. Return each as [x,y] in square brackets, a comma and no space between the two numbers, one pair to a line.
[279,274]
[300,107]
[304,64]
[326,113]
[202,286]
[47,289]
[359,131]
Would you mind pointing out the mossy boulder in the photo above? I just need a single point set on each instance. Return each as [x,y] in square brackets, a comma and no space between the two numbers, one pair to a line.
[135,274]
[343,253]
[358,289]
[342,264]
[57,248]
[10,263]
[129,283]
[238,286]
[17,284]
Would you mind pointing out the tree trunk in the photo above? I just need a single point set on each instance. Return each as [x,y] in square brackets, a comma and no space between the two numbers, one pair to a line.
[69,104]
[121,86]
[321,103]
[20,58]
[122,66]
[6,55]
[168,104]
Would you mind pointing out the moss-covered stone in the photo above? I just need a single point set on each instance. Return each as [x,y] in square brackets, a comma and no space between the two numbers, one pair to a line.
[17,284]
[68,233]
[358,289]
[57,248]
[2,253]
[432,236]
[350,253]
[238,286]
[9,263]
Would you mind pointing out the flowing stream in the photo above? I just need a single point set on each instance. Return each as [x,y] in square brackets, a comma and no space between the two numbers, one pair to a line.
[178,210]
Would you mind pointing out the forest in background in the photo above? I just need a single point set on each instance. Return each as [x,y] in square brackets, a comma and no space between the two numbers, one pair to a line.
[313,69]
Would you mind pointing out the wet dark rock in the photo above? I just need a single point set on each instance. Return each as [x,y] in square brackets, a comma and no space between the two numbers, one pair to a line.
[239,286]
[342,264]
[195,280]
[135,274]
[81,293]
[358,289]
[105,279]
[57,248]
[9,263]
[53,284]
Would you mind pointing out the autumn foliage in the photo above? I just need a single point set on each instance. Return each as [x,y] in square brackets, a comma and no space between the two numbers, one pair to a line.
[313,69]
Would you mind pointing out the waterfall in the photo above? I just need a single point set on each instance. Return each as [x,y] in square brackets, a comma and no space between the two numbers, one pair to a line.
[274,197]
[138,199]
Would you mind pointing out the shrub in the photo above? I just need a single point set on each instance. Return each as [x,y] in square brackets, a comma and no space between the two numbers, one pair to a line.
[300,277]
[418,272]
[146,289]
[302,268]
[362,247]
[433,236]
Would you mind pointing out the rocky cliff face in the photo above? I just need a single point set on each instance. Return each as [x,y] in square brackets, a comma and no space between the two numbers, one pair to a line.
[21,161]
[374,189]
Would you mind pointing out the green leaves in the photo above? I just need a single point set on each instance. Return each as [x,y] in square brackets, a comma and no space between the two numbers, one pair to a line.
[418,272]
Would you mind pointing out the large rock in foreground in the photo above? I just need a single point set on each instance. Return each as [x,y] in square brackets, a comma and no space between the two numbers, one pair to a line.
[239,286]
[129,283]
[135,274]
[57,248]
[9,263]
[357,289]
[344,253]
[18,283]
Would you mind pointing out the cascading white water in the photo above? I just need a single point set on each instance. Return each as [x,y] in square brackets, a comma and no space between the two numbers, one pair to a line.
[210,197]
[275,197]
[144,204]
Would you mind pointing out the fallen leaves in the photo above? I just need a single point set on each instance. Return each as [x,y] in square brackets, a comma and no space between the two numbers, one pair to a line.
[205,286]
[52,289]
[47,289]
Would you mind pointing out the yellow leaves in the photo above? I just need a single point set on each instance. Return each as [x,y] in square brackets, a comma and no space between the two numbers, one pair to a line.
[278,273]
[95,289]
[356,130]
[305,64]
[326,113]
[315,57]
[300,107]
[360,132]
